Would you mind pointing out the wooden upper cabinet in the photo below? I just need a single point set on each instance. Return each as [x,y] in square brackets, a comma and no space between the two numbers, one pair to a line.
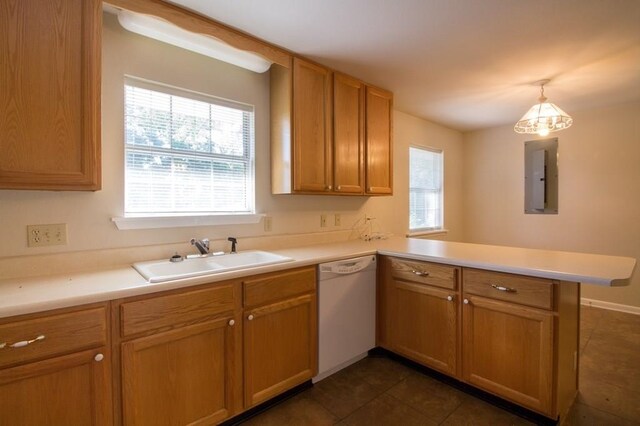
[312,164]
[379,142]
[50,53]
[330,133]
[348,134]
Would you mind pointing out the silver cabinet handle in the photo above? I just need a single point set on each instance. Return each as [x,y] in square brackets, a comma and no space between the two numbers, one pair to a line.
[450,298]
[232,322]
[98,357]
[250,317]
[420,273]
[21,343]
[465,301]
[502,288]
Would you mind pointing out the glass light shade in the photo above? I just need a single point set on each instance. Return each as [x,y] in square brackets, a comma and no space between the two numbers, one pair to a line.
[543,118]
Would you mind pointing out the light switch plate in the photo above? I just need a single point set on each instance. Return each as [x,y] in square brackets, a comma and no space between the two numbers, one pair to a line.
[47,235]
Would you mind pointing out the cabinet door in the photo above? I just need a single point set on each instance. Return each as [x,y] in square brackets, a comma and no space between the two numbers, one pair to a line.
[280,347]
[67,390]
[348,134]
[185,376]
[508,351]
[311,127]
[50,94]
[379,146]
[424,325]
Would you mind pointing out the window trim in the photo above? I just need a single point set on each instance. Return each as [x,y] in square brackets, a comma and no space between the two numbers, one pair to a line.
[414,232]
[155,222]
[150,220]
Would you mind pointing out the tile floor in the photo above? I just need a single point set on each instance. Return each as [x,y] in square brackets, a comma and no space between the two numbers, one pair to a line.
[379,391]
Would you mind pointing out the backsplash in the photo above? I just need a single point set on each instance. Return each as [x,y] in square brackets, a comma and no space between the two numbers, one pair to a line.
[94,260]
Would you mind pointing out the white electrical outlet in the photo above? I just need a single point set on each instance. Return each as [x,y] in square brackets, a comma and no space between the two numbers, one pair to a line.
[267,224]
[47,235]
[337,220]
[323,220]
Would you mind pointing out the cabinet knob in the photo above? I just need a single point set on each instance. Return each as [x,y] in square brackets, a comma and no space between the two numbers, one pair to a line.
[250,317]
[450,298]
[232,322]
[339,187]
[328,187]
[465,301]
[98,357]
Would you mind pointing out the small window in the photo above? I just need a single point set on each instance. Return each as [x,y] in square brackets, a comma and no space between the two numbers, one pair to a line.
[425,189]
[186,153]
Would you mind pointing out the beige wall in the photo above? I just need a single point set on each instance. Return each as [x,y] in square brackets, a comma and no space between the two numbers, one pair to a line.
[599,192]
[88,215]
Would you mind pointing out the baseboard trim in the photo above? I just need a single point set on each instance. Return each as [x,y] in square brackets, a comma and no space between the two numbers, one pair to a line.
[610,306]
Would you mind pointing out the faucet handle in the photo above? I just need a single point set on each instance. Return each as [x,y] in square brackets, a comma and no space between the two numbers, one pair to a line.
[205,242]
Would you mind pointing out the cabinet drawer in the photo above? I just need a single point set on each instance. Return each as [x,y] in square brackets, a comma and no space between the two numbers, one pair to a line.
[166,311]
[278,286]
[425,273]
[63,333]
[530,291]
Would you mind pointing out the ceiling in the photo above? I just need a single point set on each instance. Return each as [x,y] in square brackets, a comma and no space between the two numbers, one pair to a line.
[466,64]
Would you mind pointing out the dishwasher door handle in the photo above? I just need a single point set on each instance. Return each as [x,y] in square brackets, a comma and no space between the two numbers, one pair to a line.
[348,266]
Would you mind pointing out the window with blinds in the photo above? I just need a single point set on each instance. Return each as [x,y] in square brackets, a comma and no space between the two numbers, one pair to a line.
[425,189]
[186,153]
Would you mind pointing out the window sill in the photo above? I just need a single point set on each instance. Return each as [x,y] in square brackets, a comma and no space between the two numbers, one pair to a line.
[425,233]
[153,222]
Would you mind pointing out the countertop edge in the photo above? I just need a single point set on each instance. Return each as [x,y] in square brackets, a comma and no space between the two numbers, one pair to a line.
[34,294]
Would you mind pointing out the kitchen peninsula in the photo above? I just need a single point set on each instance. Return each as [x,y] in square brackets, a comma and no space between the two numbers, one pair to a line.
[502,319]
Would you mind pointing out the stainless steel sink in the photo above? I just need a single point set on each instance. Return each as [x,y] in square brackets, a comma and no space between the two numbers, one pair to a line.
[156,271]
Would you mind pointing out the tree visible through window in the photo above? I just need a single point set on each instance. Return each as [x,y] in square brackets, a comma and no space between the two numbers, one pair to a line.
[186,153]
[425,189]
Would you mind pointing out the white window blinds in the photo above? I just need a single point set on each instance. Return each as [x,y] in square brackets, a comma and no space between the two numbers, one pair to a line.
[186,153]
[425,189]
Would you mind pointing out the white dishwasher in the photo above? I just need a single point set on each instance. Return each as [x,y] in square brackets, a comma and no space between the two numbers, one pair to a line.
[346,313]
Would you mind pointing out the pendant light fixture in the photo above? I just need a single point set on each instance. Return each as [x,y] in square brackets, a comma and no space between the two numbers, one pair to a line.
[544,117]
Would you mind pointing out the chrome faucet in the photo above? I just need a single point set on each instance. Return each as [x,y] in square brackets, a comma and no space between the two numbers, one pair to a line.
[202,245]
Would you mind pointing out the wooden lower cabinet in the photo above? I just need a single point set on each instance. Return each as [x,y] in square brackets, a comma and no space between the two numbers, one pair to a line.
[179,356]
[421,312]
[62,378]
[186,357]
[517,337]
[508,350]
[67,390]
[183,376]
[425,325]
[280,337]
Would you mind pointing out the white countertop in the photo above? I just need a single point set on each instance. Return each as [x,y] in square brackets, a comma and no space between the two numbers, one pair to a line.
[29,295]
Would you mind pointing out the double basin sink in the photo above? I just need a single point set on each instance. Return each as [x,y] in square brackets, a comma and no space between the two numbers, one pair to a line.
[157,271]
